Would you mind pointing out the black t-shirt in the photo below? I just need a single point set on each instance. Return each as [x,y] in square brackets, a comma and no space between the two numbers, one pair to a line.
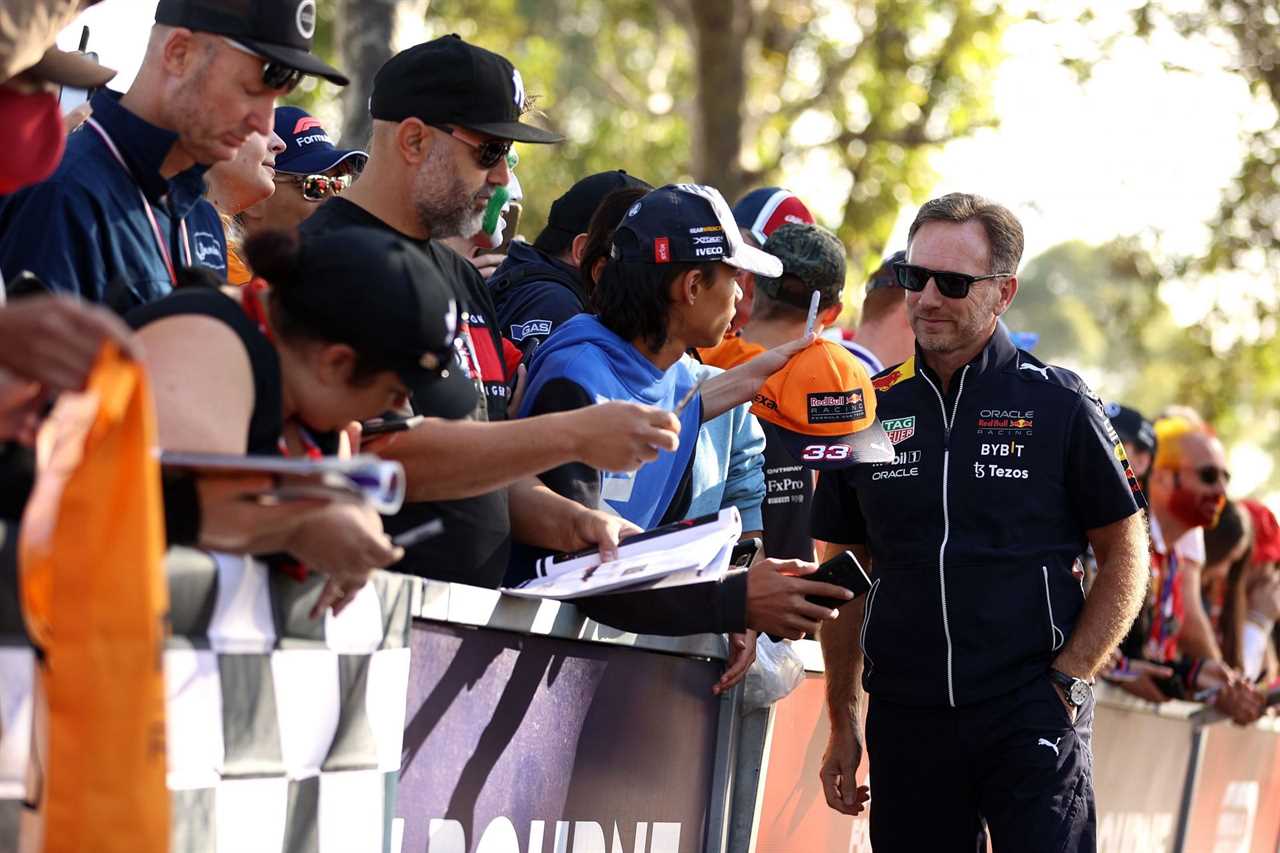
[787,501]
[476,541]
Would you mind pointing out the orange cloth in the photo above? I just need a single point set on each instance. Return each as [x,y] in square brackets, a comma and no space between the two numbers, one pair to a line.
[237,270]
[729,353]
[96,605]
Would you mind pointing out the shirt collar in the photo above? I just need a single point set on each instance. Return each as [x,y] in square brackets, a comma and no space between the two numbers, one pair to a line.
[998,352]
[144,148]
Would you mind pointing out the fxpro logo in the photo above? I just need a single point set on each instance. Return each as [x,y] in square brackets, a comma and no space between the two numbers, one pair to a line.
[448,836]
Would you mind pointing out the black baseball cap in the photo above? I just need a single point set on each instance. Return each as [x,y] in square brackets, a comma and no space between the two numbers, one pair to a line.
[687,223]
[885,276]
[277,30]
[448,81]
[571,213]
[1132,426]
[381,295]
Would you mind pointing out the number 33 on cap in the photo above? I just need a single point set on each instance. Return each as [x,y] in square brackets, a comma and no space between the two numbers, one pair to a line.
[825,407]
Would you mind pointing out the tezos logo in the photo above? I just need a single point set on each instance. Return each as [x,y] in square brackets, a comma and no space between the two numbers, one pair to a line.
[305,18]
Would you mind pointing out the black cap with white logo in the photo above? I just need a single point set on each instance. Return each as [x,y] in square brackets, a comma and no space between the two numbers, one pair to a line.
[277,30]
[448,81]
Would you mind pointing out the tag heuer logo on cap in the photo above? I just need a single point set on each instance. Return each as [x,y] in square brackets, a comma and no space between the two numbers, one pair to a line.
[518,81]
[828,407]
[305,18]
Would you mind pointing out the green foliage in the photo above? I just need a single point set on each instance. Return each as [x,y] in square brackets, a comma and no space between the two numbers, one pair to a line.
[879,85]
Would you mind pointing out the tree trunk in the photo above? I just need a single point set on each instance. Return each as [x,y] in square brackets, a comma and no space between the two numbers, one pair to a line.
[720,32]
[365,31]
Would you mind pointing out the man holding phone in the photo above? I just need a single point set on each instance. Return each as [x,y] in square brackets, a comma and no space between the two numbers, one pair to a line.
[976,642]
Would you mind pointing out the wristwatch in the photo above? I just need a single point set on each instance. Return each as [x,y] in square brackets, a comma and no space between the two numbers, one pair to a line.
[1077,689]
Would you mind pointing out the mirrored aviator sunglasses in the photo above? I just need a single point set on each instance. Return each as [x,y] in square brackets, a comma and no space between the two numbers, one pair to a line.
[953,285]
[321,187]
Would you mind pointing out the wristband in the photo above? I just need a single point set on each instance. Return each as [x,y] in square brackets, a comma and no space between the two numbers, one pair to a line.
[181,507]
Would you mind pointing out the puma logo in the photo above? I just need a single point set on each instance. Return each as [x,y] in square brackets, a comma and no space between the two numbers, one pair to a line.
[1051,744]
[1043,371]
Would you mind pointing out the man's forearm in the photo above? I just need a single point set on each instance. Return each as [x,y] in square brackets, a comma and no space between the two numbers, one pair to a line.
[1196,637]
[451,460]
[540,517]
[732,388]
[842,656]
[1114,599]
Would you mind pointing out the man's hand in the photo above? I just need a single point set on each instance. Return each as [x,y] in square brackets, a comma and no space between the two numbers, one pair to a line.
[486,264]
[776,602]
[617,436]
[231,519]
[1242,702]
[595,529]
[54,340]
[1137,677]
[742,653]
[346,542]
[21,404]
[771,361]
[839,770]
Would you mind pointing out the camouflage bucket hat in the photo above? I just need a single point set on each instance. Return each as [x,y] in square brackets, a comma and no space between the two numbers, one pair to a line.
[810,253]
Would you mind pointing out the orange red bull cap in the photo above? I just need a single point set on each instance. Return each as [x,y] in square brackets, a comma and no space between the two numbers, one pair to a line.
[825,407]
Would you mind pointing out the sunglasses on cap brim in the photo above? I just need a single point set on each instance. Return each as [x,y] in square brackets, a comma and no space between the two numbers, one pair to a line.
[953,285]
[489,152]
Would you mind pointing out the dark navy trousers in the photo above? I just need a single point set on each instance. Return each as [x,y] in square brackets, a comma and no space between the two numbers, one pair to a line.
[1016,761]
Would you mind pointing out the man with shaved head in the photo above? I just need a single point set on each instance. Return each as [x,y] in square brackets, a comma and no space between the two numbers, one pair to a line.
[124,210]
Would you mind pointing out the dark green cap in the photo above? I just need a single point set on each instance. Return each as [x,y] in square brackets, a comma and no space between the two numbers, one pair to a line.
[810,253]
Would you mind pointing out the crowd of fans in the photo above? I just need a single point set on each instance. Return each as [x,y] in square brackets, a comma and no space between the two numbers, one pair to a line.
[280,290]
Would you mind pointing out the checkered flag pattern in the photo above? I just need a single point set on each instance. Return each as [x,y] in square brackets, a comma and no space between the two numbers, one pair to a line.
[284,733]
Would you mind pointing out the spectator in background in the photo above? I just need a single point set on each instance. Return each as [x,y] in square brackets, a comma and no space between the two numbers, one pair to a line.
[759,213]
[136,172]
[1251,604]
[539,286]
[282,371]
[309,171]
[1139,438]
[445,115]
[236,185]
[812,259]
[884,336]
[599,242]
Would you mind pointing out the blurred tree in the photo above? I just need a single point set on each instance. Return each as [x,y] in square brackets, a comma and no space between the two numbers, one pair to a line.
[1102,311]
[729,92]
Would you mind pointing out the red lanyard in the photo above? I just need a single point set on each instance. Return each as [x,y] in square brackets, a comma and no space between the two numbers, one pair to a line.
[146,208]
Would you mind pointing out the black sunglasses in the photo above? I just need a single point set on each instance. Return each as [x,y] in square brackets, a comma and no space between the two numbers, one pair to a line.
[1211,474]
[276,75]
[489,153]
[953,285]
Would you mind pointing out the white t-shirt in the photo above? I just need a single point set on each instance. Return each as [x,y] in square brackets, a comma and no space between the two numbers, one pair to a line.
[1189,547]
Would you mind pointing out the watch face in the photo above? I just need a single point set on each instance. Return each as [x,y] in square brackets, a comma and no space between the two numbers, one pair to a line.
[1079,693]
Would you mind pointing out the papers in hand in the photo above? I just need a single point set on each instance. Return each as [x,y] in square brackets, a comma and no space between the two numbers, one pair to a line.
[361,478]
[682,553]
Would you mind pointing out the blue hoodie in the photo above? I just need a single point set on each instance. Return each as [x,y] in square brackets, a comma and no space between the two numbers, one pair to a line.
[534,293]
[605,367]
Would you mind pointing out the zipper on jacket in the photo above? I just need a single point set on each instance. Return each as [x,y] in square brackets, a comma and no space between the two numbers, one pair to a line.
[870,665]
[1056,637]
[947,423]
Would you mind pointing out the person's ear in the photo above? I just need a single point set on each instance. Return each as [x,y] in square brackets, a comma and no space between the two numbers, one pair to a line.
[335,364]
[414,140]
[687,287]
[1008,290]
[578,248]
[828,316]
[180,51]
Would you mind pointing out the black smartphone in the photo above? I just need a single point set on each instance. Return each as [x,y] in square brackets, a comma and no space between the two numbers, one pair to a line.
[841,570]
[381,426]
[512,216]
[744,553]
